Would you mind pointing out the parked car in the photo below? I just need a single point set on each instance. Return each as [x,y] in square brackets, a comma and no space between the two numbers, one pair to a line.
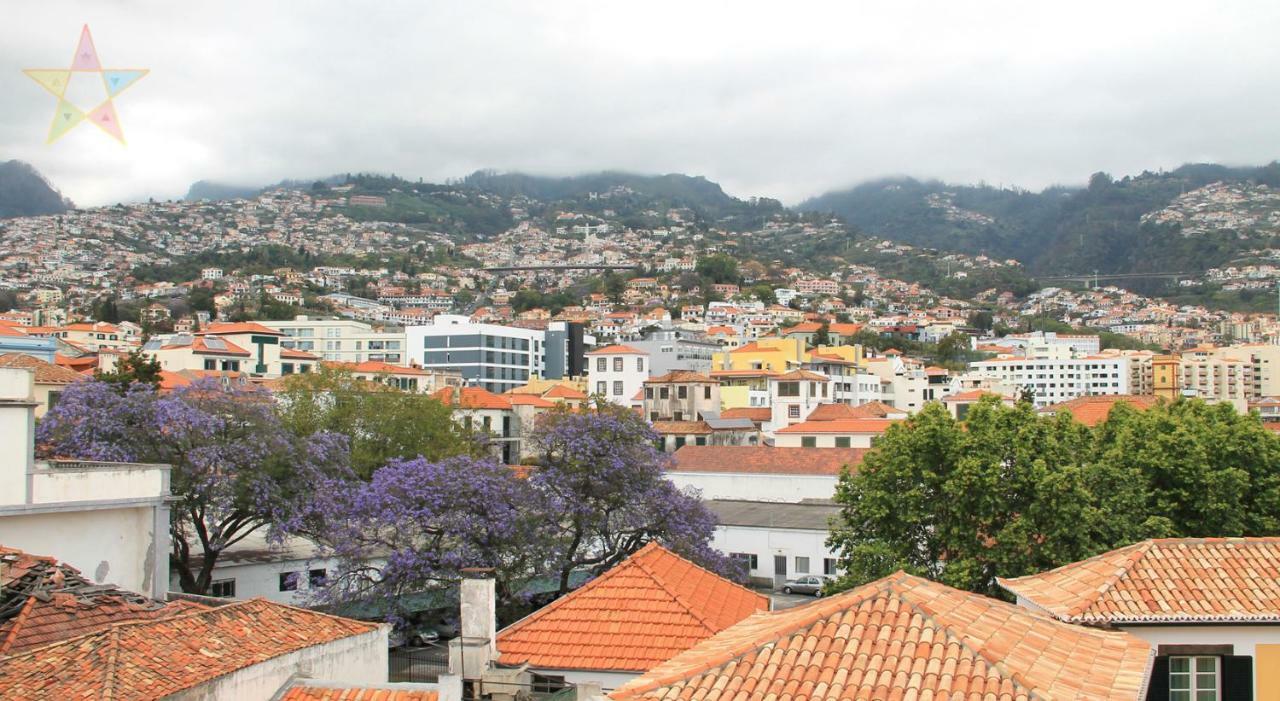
[413,634]
[809,584]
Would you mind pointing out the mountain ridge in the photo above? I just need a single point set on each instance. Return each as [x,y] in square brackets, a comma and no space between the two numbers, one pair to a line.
[24,192]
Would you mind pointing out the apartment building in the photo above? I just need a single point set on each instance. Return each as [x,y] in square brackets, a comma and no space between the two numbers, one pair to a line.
[497,358]
[1053,380]
[676,349]
[342,340]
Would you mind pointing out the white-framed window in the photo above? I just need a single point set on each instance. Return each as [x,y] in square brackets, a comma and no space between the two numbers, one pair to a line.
[601,387]
[602,364]
[639,364]
[793,411]
[802,565]
[1193,678]
[223,588]
[288,581]
[617,388]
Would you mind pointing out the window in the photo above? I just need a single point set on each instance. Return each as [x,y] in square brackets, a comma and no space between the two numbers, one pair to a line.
[802,565]
[748,559]
[223,588]
[679,442]
[602,387]
[653,416]
[317,577]
[682,392]
[639,364]
[793,411]
[829,566]
[809,442]
[286,368]
[843,441]
[602,364]
[210,364]
[648,393]
[617,388]
[664,392]
[288,581]
[678,416]
[706,392]
[788,389]
[1193,679]
[617,364]
[700,440]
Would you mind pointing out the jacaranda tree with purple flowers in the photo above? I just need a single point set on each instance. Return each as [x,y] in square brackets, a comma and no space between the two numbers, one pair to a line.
[416,524]
[599,481]
[595,495]
[235,469]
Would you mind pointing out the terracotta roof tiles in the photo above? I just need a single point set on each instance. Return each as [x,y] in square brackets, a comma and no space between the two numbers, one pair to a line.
[752,459]
[45,372]
[151,659]
[876,426]
[647,608]
[1092,411]
[758,414]
[901,637]
[617,349]
[312,692]
[1210,580]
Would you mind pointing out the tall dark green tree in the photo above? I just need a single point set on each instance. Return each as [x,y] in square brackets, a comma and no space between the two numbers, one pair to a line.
[135,367]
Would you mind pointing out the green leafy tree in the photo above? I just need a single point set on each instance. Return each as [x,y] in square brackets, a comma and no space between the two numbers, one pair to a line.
[953,347]
[135,366]
[383,423]
[823,336]
[981,320]
[718,268]
[1002,494]
[1009,492]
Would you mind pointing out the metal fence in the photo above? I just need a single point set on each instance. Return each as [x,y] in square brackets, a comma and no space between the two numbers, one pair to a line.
[422,664]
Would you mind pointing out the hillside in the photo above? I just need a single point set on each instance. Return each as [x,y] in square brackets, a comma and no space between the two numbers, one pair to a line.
[1188,219]
[24,192]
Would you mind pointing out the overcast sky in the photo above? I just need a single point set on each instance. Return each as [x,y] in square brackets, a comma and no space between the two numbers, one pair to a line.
[785,99]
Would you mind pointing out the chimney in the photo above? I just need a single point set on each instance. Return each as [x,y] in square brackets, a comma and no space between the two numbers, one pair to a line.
[473,652]
[17,430]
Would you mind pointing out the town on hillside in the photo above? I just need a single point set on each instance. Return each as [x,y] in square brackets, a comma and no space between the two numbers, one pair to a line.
[640,352]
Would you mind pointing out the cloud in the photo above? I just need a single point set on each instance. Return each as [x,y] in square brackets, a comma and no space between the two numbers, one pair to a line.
[766,98]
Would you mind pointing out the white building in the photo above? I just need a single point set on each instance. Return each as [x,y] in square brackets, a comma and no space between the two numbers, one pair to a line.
[1039,341]
[342,340]
[1057,380]
[108,520]
[794,394]
[776,541]
[285,573]
[618,373]
[761,473]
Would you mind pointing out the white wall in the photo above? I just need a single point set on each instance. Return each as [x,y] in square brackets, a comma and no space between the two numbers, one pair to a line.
[263,579]
[765,543]
[117,481]
[110,545]
[1244,639]
[757,487]
[608,680]
[824,440]
[360,659]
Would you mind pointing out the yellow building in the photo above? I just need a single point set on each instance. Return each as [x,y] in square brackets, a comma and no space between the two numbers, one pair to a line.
[772,354]
[1166,376]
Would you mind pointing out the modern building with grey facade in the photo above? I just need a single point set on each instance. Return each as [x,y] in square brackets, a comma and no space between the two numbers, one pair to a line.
[497,358]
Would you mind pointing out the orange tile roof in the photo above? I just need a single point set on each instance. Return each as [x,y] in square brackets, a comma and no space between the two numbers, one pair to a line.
[758,414]
[1092,411]
[310,691]
[45,372]
[831,412]
[876,426]
[472,398]
[645,609]
[532,400]
[377,366]
[680,376]
[974,395]
[1211,580]
[800,375]
[617,349]
[138,660]
[43,601]
[902,637]
[761,459]
[873,410]
[198,344]
[220,328]
[682,428]
[563,392]
[742,373]
[295,354]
